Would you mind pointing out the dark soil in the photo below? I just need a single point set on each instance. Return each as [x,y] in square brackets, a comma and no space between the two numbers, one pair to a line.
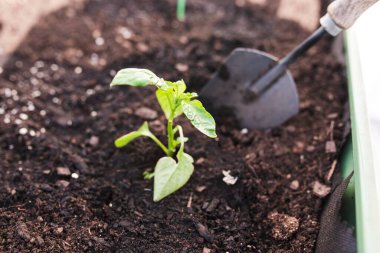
[57,110]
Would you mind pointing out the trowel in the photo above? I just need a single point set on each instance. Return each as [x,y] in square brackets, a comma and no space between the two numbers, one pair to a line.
[258,88]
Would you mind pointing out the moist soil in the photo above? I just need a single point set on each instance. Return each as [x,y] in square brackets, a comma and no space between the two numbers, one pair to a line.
[57,111]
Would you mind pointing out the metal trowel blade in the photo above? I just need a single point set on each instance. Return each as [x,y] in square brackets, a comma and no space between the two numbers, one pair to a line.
[228,88]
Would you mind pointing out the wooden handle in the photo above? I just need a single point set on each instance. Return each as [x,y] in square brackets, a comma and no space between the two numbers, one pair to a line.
[345,12]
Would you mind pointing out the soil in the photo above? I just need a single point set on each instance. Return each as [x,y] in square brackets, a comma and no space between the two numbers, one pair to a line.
[57,112]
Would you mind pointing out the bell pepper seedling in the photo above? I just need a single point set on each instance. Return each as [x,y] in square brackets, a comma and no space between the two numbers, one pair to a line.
[169,175]
[181,10]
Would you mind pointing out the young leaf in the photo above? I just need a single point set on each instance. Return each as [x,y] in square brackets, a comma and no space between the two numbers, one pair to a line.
[187,96]
[181,86]
[137,77]
[124,140]
[166,100]
[199,117]
[142,131]
[148,175]
[169,176]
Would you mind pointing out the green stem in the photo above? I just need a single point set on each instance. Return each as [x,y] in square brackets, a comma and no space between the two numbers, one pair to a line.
[159,143]
[175,129]
[182,137]
[170,137]
[181,9]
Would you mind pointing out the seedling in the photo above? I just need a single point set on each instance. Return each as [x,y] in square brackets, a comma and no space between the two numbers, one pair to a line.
[181,10]
[169,175]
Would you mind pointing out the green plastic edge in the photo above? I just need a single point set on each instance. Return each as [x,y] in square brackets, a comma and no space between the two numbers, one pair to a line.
[346,168]
[367,208]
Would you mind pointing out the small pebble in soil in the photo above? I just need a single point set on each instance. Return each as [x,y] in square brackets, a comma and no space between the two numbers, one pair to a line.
[204,232]
[146,113]
[94,141]
[320,189]
[32,133]
[125,32]
[244,131]
[56,100]
[213,205]
[62,183]
[99,41]
[23,116]
[63,171]
[75,175]
[36,93]
[291,129]
[142,47]
[30,107]
[46,187]
[43,113]
[200,161]
[330,147]
[7,119]
[181,67]
[240,3]
[200,188]
[206,250]
[78,70]
[284,225]
[23,131]
[94,114]
[294,185]
[183,39]
[90,92]
[14,111]
[332,115]
[59,230]
[54,67]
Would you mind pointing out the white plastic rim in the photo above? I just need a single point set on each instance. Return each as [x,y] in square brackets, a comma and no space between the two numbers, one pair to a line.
[363,49]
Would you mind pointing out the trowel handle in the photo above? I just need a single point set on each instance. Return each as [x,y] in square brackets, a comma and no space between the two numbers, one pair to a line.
[343,14]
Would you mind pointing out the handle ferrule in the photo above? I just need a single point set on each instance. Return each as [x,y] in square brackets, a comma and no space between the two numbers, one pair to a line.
[330,26]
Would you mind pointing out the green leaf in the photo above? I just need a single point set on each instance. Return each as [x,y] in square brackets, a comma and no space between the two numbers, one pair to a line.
[199,117]
[170,176]
[181,86]
[187,96]
[124,140]
[166,99]
[137,77]
[142,131]
[148,175]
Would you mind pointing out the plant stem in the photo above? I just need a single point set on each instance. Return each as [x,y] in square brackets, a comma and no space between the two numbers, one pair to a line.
[181,10]
[170,137]
[159,143]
